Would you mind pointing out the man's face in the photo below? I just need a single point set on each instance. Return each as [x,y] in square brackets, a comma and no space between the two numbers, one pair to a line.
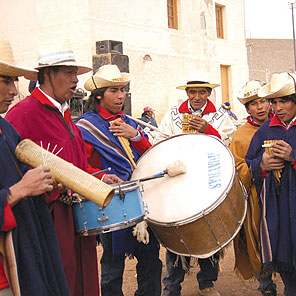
[8,91]
[63,83]
[197,97]
[259,110]
[113,99]
[284,109]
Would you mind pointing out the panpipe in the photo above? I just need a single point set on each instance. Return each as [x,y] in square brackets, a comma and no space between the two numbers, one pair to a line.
[126,146]
[65,173]
[268,148]
[186,128]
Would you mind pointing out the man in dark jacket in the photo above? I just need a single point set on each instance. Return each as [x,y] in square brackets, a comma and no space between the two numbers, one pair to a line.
[272,160]
[30,257]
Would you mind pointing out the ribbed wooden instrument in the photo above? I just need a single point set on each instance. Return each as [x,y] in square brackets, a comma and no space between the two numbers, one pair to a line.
[126,146]
[65,173]
[268,148]
[186,128]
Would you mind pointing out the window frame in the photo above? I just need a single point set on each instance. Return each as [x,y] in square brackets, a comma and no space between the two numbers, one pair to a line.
[172,19]
[219,13]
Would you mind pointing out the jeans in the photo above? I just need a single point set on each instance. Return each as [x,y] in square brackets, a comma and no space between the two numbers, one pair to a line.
[149,269]
[175,274]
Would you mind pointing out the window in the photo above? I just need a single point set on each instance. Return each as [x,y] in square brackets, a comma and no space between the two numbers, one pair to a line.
[225,83]
[172,14]
[219,21]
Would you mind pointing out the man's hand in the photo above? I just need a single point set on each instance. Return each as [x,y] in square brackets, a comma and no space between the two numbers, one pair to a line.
[120,128]
[34,182]
[271,162]
[198,124]
[111,178]
[282,150]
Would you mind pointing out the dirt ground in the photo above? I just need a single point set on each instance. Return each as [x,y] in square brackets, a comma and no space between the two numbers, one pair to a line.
[228,284]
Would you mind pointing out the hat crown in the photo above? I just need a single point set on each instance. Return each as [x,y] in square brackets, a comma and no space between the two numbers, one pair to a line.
[279,79]
[7,63]
[109,72]
[107,76]
[251,88]
[6,53]
[56,57]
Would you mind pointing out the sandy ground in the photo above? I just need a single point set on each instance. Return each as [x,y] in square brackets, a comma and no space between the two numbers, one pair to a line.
[228,283]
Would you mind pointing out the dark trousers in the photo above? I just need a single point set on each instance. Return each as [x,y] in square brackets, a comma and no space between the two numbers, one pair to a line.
[149,269]
[175,274]
[289,280]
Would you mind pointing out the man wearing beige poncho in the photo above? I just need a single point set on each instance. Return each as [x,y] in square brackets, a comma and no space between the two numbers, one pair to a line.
[247,243]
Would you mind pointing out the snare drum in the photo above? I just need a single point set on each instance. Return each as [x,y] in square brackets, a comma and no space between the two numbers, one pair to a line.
[201,211]
[124,210]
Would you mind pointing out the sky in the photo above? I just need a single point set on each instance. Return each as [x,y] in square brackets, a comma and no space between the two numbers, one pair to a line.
[271,19]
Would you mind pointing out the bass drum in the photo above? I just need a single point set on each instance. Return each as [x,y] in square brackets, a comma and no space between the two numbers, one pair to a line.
[199,212]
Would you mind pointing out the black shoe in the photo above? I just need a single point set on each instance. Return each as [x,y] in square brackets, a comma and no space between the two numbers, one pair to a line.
[269,291]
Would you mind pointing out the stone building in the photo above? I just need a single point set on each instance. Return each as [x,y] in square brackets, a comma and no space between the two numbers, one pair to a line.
[164,40]
[268,56]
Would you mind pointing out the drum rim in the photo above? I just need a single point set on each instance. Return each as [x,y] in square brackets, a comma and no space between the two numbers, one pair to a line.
[175,136]
[114,227]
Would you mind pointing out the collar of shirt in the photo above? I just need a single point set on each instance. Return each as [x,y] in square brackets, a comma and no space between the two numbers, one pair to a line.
[276,121]
[290,123]
[61,107]
[107,115]
[199,111]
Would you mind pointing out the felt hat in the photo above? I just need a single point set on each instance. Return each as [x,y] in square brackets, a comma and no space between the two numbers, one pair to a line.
[197,79]
[64,57]
[249,92]
[7,63]
[107,76]
[280,85]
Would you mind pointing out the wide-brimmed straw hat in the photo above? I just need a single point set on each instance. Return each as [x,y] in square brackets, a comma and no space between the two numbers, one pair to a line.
[7,63]
[249,92]
[107,76]
[281,85]
[197,78]
[60,58]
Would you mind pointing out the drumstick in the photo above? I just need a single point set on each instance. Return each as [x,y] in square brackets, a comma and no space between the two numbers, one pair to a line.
[101,171]
[172,170]
[148,125]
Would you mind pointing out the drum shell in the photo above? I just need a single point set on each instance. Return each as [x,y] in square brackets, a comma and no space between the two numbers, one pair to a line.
[91,219]
[209,232]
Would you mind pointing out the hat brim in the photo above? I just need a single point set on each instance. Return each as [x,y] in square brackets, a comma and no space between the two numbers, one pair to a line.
[96,82]
[287,89]
[198,85]
[14,71]
[246,100]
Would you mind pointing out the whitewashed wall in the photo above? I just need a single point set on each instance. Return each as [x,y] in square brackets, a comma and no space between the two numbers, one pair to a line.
[141,25]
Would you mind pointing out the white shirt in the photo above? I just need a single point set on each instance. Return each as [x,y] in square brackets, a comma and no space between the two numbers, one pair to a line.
[199,111]
[61,107]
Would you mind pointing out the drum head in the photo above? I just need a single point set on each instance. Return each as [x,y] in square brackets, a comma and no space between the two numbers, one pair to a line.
[210,170]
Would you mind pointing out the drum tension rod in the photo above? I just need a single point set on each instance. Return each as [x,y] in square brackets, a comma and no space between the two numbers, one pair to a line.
[121,193]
